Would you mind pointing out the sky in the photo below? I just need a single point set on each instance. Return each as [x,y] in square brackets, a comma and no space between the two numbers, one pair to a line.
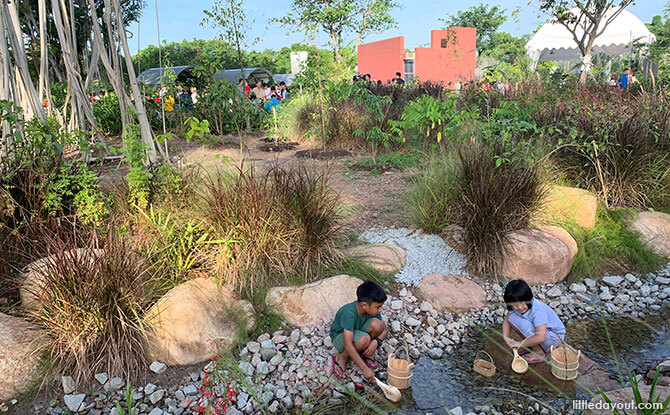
[180,20]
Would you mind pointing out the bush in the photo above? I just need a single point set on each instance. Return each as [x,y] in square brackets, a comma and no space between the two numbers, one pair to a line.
[274,226]
[91,307]
[108,114]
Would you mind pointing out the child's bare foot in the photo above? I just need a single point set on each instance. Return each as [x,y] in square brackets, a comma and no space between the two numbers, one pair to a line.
[338,367]
[535,357]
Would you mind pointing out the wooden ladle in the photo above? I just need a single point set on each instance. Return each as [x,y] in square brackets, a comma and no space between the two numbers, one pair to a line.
[519,364]
[391,392]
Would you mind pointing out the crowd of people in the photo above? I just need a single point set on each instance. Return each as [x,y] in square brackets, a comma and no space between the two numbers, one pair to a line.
[368,78]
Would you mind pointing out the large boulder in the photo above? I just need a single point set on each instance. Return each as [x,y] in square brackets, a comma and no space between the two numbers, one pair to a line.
[624,397]
[654,228]
[20,345]
[382,257]
[32,280]
[314,303]
[570,204]
[193,321]
[564,236]
[452,292]
[537,257]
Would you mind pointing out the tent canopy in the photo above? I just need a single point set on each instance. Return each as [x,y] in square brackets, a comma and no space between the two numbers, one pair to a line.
[553,42]
[154,76]
[287,78]
[252,75]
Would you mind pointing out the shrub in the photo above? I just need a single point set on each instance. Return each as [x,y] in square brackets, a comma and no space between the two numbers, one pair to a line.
[108,114]
[91,306]
[274,225]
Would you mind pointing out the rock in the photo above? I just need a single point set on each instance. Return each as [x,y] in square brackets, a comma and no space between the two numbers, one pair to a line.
[555,292]
[247,368]
[454,236]
[314,303]
[452,292]
[114,383]
[612,280]
[156,411]
[382,257]
[157,396]
[621,299]
[654,228]
[578,288]
[564,236]
[101,378]
[158,367]
[536,257]
[570,204]
[20,343]
[192,322]
[624,396]
[68,384]
[396,304]
[435,353]
[150,388]
[190,390]
[395,326]
[73,402]
[253,347]
[35,273]
[412,322]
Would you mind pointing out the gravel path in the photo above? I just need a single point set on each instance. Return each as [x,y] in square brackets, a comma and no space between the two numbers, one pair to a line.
[426,254]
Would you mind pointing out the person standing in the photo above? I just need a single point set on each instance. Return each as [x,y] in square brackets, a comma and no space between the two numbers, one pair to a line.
[194,95]
[283,90]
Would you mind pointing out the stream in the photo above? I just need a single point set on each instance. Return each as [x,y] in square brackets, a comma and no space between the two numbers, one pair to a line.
[450,382]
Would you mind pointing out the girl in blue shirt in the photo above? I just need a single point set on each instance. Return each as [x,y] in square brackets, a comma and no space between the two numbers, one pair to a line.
[535,321]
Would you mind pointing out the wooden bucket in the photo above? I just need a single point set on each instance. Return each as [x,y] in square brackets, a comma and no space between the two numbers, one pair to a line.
[484,367]
[565,362]
[399,371]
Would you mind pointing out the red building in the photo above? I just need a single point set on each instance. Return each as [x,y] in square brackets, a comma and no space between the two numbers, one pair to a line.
[450,57]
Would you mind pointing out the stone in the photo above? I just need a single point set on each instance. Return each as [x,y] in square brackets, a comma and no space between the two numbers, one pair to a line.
[612,280]
[454,236]
[192,322]
[247,368]
[382,257]
[452,292]
[68,384]
[570,204]
[396,304]
[412,322]
[20,345]
[158,367]
[150,388]
[101,378]
[435,353]
[34,275]
[663,280]
[314,303]
[74,402]
[625,396]
[621,299]
[253,347]
[536,257]
[555,292]
[564,236]
[156,411]
[395,326]
[190,390]
[114,383]
[654,229]
[157,396]
[577,288]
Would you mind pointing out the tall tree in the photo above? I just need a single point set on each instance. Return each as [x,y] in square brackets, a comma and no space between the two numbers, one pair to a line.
[585,20]
[345,22]
[487,19]
[660,50]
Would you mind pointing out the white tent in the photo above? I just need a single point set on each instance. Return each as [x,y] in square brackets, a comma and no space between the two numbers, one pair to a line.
[553,42]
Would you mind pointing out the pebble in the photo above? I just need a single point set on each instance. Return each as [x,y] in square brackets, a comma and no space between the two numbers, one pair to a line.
[612,281]
[412,322]
[158,367]
[101,378]
[68,384]
[74,402]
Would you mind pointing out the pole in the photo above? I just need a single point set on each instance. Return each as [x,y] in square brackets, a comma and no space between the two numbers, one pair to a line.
[162,73]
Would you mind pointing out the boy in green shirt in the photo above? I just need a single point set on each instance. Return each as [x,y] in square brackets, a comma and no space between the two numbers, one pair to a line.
[357,331]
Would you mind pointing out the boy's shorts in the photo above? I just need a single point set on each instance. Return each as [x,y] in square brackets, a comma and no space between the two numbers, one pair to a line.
[338,341]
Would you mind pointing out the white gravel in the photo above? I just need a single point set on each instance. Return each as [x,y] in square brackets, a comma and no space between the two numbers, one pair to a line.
[426,254]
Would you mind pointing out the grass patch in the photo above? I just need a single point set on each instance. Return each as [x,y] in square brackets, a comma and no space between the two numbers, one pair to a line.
[610,247]
[401,159]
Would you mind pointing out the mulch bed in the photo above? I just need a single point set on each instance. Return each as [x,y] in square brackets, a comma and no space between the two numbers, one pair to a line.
[322,155]
[381,168]
[270,146]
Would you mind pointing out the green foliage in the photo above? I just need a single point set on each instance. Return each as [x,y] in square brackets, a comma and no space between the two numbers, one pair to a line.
[609,247]
[138,176]
[230,18]
[429,119]
[108,114]
[487,19]
[128,397]
[640,400]
[660,50]
[196,128]
[408,157]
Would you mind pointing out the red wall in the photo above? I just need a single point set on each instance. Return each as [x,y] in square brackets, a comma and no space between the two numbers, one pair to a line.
[456,60]
[382,59]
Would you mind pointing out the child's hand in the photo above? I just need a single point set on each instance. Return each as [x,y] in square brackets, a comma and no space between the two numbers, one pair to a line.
[370,350]
[512,344]
[369,375]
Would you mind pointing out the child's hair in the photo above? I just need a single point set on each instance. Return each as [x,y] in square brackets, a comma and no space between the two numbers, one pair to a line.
[370,292]
[518,291]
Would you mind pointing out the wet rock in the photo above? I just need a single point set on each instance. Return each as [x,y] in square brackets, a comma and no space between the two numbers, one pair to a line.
[452,292]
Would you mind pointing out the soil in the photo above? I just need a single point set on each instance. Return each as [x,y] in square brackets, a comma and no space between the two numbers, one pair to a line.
[322,154]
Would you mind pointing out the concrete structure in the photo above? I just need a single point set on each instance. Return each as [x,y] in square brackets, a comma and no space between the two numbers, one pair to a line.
[450,57]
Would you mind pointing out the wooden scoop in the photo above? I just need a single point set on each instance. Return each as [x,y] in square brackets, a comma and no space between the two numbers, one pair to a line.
[519,364]
[391,392]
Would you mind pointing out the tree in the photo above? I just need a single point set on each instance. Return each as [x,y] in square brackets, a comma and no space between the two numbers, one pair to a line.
[343,21]
[506,48]
[585,20]
[487,19]
[659,51]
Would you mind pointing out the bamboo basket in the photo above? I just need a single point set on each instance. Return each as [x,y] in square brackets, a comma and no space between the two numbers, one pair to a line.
[399,371]
[484,367]
[564,362]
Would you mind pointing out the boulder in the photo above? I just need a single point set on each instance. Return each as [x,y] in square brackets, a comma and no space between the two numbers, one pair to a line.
[564,236]
[20,345]
[624,396]
[454,236]
[654,228]
[33,277]
[452,292]
[570,204]
[193,321]
[313,303]
[537,257]
[382,257]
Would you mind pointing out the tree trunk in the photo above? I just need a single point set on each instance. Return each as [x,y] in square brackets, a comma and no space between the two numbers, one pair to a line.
[586,60]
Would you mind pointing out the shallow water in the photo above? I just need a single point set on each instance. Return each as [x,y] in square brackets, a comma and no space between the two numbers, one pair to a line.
[450,382]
